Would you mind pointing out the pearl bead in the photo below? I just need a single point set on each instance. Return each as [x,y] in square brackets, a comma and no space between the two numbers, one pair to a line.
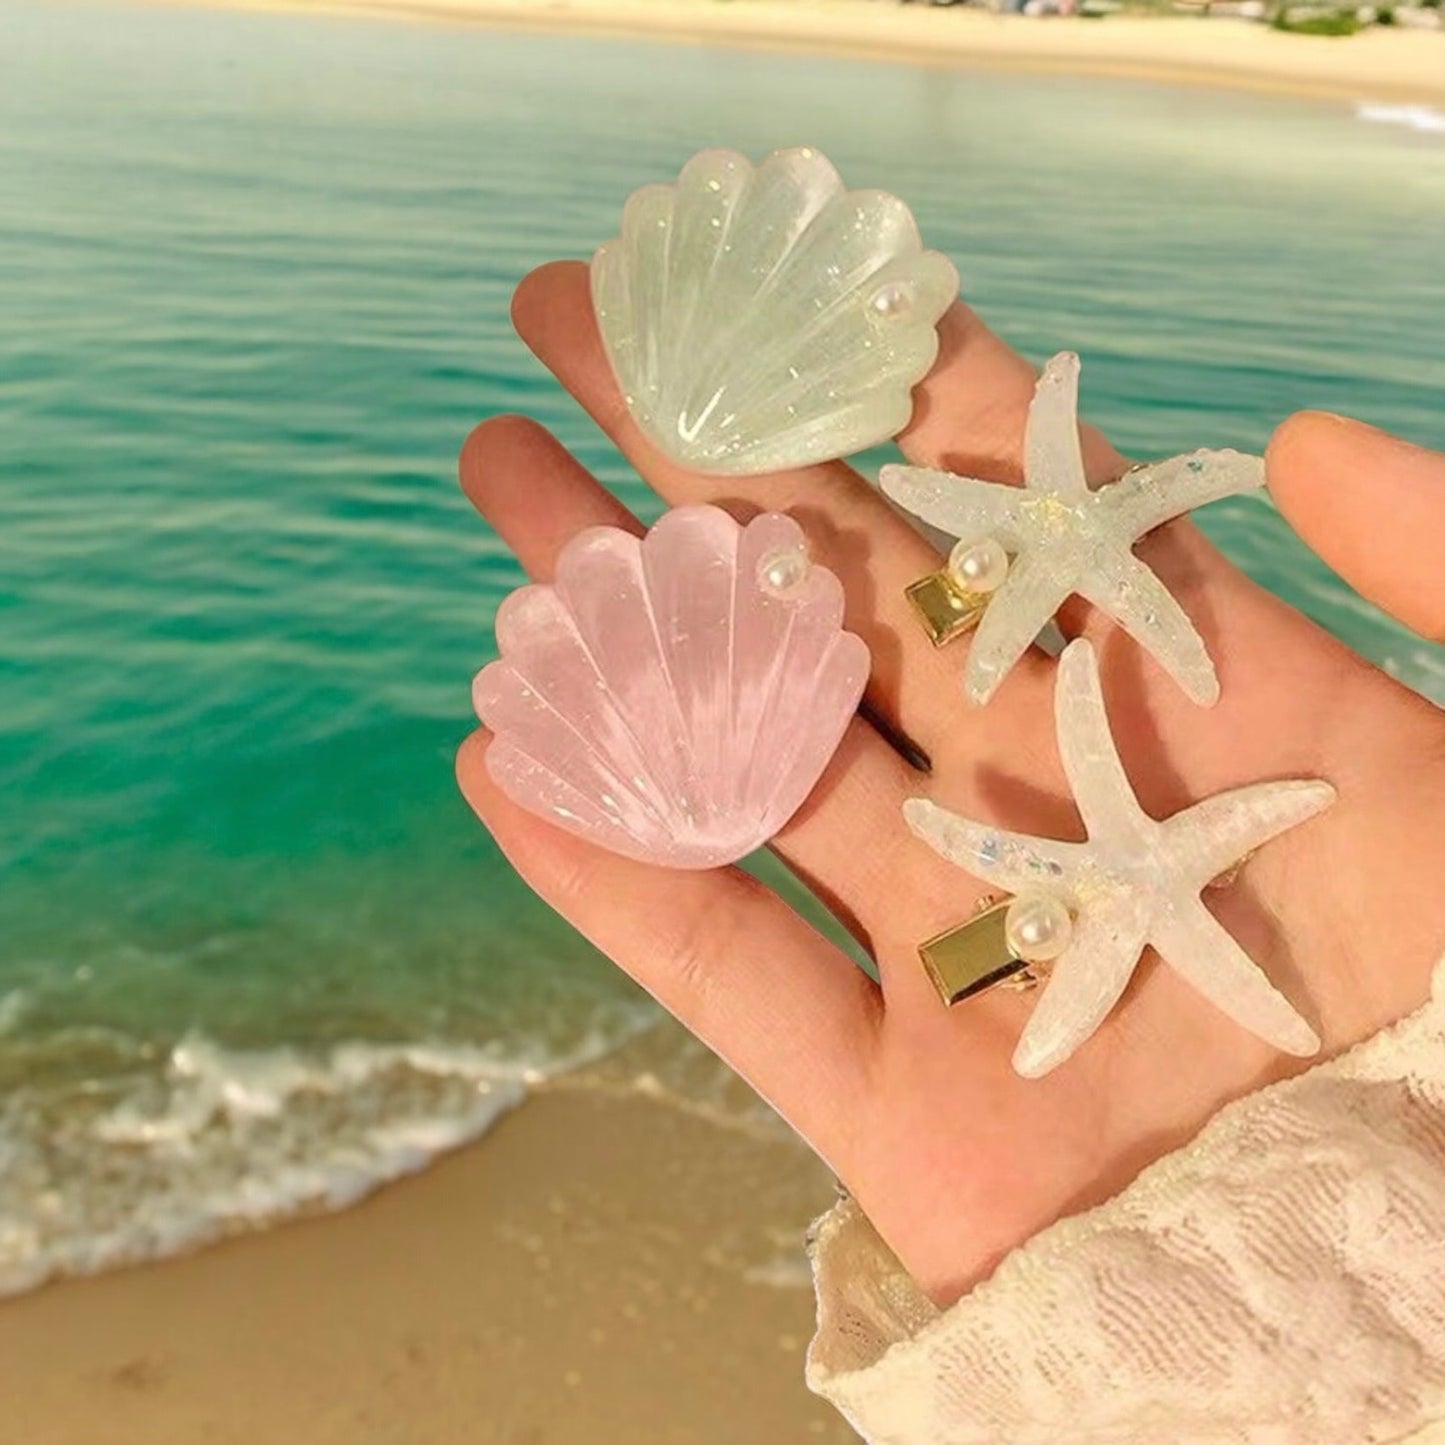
[978,566]
[894,299]
[781,571]
[1038,927]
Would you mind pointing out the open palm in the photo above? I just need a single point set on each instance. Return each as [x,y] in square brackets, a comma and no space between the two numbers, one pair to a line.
[955,1158]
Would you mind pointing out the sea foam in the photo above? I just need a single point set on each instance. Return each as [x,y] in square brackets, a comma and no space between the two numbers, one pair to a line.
[219,1140]
[1414,117]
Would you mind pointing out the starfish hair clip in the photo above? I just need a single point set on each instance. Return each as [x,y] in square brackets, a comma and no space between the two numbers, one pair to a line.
[1022,551]
[1083,913]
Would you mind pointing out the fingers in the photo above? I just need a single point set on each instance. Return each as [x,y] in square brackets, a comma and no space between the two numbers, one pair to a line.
[851,529]
[914,687]
[538,497]
[970,416]
[534,492]
[716,948]
[1371,505]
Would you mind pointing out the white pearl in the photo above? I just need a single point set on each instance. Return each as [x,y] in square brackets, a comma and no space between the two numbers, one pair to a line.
[894,299]
[1038,927]
[780,572]
[979,566]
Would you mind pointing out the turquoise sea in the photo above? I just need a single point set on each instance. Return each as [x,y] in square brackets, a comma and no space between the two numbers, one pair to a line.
[254,952]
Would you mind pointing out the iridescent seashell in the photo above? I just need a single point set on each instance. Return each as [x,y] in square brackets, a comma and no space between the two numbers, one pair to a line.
[673,697]
[759,318]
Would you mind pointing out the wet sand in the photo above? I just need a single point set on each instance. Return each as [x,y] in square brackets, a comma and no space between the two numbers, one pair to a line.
[598,1268]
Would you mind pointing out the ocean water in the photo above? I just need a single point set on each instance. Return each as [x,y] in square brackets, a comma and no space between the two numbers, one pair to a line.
[255,954]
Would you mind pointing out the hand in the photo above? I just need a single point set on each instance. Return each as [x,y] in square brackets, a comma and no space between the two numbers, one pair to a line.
[954,1158]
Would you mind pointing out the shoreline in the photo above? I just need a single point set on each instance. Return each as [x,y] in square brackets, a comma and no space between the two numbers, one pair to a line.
[131,1217]
[1380,65]
[599,1266]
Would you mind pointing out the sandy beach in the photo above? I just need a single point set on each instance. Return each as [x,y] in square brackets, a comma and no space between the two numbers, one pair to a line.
[600,1268]
[1380,64]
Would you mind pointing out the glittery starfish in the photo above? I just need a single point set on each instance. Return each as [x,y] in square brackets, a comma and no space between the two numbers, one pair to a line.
[1064,538]
[1135,883]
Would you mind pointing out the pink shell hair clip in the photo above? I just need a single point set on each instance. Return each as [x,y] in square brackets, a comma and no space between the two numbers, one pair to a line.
[673,697]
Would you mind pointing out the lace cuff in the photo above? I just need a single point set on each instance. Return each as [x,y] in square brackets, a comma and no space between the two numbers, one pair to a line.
[1280,1281]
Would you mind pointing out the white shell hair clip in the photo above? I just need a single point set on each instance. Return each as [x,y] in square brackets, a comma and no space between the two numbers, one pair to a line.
[1022,551]
[1085,912]
[764,317]
[674,697]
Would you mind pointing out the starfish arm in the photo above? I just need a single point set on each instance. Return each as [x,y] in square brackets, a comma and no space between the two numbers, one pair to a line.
[1086,983]
[1196,946]
[1012,861]
[1032,592]
[963,507]
[1096,776]
[1151,495]
[1122,586]
[1053,454]
[1211,837]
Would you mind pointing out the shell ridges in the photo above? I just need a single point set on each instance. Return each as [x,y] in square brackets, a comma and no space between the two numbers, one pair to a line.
[675,697]
[765,317]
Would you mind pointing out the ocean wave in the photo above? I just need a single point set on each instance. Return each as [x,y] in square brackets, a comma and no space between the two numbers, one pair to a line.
[1415,117]
[13,1004]
[218,1140]
[119,1165]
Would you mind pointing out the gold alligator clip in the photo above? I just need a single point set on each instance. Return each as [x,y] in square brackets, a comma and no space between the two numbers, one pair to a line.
[945,609]
[974,957]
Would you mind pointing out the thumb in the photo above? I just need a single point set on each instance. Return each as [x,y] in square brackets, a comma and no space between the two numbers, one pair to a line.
[1372,506]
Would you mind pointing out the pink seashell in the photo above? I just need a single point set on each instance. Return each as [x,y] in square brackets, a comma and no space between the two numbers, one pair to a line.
[674,697]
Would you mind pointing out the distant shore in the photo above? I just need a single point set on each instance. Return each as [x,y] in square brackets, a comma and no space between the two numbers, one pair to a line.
[1377,65]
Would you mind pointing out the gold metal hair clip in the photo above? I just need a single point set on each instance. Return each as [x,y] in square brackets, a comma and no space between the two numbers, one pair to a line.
[976,956]
[946,609]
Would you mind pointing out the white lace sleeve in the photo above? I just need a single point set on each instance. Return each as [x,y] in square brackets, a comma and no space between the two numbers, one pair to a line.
[1281,1281]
